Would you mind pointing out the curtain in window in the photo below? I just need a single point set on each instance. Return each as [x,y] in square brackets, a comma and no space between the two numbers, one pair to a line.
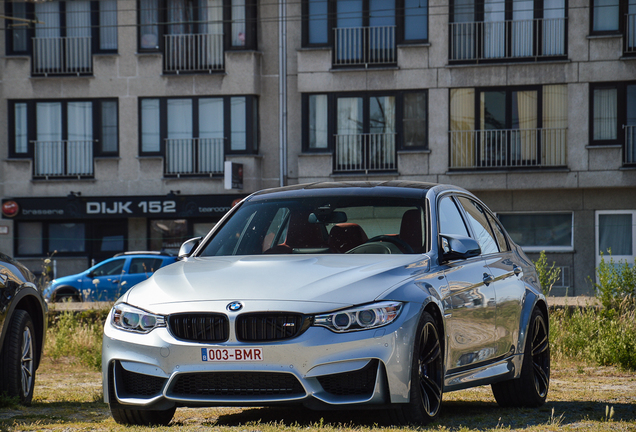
[148,28]
[48,44]
[494,29]
[462,125]
[211,136]
[555,123]
[464,31]
[415,117]
[21,133]
[211,17]
[79,152]
[238,23]
[317,22]
[238,107]
[415,19]
[522,28]
[615,233]
[108,24]
[523,138]
[382,131]
[78,32]
[553,27]
[179,145]
[109,127]
[605,15]
[150,138]
[49,148]
[318,129]
[349,132]
[179,16]
[605,112]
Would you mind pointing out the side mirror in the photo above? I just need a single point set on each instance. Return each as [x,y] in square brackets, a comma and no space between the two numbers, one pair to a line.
[456,247]
[188,247]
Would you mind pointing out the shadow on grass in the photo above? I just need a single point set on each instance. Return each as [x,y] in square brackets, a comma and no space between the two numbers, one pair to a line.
[44,413]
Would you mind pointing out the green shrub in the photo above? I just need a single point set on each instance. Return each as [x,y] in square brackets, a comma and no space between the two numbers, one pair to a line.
[548,275]
[78,336]
[616,287]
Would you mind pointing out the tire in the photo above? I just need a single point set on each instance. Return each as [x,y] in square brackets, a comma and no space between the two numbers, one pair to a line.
[142,417]
[427,377]
[18,358]
[531,388]
[66,295]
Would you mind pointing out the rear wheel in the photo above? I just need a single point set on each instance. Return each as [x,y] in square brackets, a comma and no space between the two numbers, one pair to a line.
[427,375]
[18,358]
[531,388]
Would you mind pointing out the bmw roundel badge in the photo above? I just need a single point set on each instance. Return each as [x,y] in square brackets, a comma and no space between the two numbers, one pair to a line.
[235,306]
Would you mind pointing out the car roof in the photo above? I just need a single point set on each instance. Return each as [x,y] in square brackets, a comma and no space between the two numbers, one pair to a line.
[142,253]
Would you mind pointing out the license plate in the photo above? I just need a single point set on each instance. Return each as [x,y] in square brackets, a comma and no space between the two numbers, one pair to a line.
[231,354]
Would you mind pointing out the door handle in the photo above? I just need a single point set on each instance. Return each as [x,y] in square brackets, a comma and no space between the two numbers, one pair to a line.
[488,279]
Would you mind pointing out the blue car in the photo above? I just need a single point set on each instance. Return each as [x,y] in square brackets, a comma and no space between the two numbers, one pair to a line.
[109,279]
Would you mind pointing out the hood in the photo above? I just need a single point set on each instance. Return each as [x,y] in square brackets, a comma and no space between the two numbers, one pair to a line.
[340,280]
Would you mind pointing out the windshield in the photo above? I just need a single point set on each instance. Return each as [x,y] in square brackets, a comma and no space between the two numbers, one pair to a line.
[318,225]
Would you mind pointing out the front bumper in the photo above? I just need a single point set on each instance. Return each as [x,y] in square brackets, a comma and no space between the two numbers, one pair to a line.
[317,368]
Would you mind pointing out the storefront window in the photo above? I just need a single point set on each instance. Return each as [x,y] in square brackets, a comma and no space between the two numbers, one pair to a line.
[67,237]
[29,238]
[168,234]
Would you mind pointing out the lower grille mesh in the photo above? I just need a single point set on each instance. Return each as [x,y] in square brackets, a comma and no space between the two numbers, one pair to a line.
[356,383]
[237,384]
[139,385]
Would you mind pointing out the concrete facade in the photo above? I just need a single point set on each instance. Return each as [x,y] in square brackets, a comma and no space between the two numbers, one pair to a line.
[594,179]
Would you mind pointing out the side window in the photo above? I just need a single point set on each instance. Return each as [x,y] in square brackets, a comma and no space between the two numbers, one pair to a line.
[450,219]
[144,265]
[111,268]
[481,227]
[500,236]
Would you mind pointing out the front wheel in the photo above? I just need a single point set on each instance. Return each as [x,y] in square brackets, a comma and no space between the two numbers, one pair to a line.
[427,375]
[18,358]
[531,388]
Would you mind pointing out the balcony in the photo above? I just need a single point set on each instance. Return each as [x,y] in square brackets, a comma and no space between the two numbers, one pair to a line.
[63,159]
[357,153]
[364,46]
[194,157]
[532,39]
[630,34]
[629,157]
[62,56]
[191,53]
[508,148]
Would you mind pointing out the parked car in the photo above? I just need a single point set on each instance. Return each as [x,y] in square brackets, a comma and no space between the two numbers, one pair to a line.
[109,279]
[334,295]
[22,329]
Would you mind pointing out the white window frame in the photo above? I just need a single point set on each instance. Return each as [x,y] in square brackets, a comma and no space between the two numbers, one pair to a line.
[533,249]
[616,258]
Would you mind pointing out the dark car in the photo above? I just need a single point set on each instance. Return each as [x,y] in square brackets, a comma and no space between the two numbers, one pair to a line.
[22,329]
[109,279]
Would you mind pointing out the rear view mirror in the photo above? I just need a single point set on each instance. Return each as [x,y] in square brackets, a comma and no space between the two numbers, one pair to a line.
[456,247]
[328,218]
[188,247]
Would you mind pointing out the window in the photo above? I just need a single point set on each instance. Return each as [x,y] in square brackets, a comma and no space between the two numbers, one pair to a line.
[535,232]
[196,32]
[194,134]
[616,231]
[481,227]
[168,234]
[144,265]
[63,136]
[365,130]
[519,29]
[613,17]
[508,127]
[110,268]
[450,218]
[613,116]
[67,35]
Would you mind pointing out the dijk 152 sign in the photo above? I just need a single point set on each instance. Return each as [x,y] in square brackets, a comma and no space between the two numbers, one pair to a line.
[117,207]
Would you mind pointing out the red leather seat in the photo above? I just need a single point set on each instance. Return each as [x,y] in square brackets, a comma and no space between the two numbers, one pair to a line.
[346,236]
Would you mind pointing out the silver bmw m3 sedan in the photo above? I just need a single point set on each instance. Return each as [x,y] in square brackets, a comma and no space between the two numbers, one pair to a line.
[334,295]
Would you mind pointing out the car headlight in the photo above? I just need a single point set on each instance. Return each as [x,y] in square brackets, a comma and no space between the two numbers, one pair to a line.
[130,318]
[360,318]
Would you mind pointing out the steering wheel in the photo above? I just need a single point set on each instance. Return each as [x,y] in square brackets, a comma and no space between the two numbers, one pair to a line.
[404,246]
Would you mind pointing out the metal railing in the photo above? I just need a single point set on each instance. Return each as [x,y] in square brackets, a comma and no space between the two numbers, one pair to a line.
[365,152]
[508,148]
[630,34]
[63,159]
[194,156]
[62,56]
[193,53]
[355,46]
[502,40]
[630,145]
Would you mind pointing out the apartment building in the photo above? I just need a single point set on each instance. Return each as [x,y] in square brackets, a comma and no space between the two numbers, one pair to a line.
[120,115]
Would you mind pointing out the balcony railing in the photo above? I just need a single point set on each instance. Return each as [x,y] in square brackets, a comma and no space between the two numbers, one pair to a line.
[63,159]
[193,53]
[508,148]
[630,145]
[364,46]
[506,40]
[62,56]
[194,156]
[630,34]
[365,153]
